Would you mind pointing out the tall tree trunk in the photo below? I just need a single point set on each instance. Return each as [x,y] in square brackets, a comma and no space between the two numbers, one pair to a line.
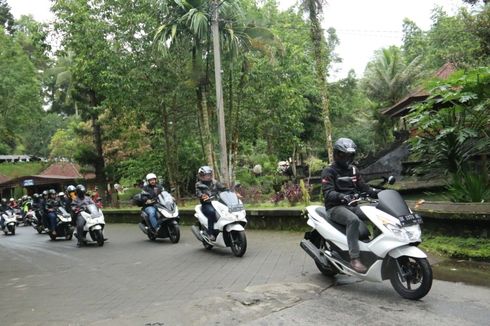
[169,148]
[235,131]
[208,143]
[316,34]
[99,164]
[219,96]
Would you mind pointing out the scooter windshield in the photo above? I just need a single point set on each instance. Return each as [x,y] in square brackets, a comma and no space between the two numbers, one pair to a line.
[231,200]
[391,202]
[166,200]
[93,210]
[63,211]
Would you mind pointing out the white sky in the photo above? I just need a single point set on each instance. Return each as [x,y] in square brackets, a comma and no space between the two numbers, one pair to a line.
[362,26]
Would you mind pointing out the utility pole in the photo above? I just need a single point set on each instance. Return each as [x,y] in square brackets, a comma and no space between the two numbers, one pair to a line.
[219,95]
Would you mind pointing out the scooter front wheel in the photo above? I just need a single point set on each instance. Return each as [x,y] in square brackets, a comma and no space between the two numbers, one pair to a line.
[174,233]
[238,243]
[413,279]
[99,237]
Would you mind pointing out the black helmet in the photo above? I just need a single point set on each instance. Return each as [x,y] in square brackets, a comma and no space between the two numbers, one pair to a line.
[344,151]
[81,191]
[205,173]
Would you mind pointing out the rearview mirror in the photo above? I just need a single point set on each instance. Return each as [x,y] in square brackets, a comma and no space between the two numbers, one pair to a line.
[391,180]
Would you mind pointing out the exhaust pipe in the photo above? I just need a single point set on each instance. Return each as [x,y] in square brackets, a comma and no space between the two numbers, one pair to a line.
[313,252]
[143,228]
[197,233]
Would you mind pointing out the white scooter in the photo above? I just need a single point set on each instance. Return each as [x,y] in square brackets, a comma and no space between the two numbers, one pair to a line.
[94,224]
[9,222]
[168,219]
[63,226]
[230,223]
[391,253]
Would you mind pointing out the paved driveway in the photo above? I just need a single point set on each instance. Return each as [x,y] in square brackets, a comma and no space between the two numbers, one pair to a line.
[133,281]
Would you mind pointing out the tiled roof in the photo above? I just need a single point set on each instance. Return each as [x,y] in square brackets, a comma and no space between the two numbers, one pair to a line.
[3,178]
[65,170]
[419,94]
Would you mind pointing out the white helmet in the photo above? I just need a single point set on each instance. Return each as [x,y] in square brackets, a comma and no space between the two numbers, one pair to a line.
[61,194]
[150,176]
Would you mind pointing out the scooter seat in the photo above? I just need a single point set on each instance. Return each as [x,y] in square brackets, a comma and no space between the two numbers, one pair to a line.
[363,230]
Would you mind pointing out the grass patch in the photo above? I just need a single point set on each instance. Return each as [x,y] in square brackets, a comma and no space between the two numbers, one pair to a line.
[458,247]
[14,170]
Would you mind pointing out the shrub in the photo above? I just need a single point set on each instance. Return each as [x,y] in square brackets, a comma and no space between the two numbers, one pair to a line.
[468,187]
[250,194]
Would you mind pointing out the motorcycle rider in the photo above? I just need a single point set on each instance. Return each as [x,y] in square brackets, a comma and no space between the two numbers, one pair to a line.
[13,203]
[207,187]
[42,202]
[51,204]
[76,205]
[342,183]
[152,189]
[71,192]
[3,208]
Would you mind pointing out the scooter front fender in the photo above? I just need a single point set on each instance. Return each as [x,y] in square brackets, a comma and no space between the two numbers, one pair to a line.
[410,251]
[234,227]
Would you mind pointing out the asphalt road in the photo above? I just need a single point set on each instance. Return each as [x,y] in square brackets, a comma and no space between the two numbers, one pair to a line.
[133,281]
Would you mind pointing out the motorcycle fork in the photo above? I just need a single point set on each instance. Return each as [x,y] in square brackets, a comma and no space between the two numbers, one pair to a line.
[399,268]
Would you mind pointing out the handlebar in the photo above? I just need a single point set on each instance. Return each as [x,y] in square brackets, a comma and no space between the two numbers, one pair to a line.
[363,197]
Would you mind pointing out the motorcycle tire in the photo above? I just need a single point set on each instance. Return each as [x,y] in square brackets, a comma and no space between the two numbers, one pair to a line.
[151,236]
[53,237]
[99,237]
[417,272]
[174,233]
[207,245]
[69,236]
[238,243]
[11,229]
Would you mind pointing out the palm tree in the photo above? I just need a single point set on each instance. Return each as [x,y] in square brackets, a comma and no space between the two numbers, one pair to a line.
[187,23]
[387,78]
[64,86]
[314,10]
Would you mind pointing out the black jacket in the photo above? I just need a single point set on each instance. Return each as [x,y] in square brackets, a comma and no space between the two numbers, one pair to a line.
[338,181]
[210,188]
[153,192]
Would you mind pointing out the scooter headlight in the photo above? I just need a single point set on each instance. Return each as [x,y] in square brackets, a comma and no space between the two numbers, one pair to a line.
[397,231]
[414,234]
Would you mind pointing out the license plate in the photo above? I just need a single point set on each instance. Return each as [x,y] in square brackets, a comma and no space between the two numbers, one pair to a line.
[410,219]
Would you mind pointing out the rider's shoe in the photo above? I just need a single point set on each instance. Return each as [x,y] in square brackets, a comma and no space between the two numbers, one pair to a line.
[358,266]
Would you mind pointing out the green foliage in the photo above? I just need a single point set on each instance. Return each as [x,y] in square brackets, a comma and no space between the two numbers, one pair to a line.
[458,247]
[468,187]
[14,170]
[461,39]
[453,123]
[20,102]
[6,17]
[304,192]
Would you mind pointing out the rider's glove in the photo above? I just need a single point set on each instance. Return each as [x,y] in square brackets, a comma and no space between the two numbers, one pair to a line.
[345,199]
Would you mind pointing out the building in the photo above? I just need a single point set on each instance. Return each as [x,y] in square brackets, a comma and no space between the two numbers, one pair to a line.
[57,176]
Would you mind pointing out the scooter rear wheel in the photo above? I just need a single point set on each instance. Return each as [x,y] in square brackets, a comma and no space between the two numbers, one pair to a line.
[416,280]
